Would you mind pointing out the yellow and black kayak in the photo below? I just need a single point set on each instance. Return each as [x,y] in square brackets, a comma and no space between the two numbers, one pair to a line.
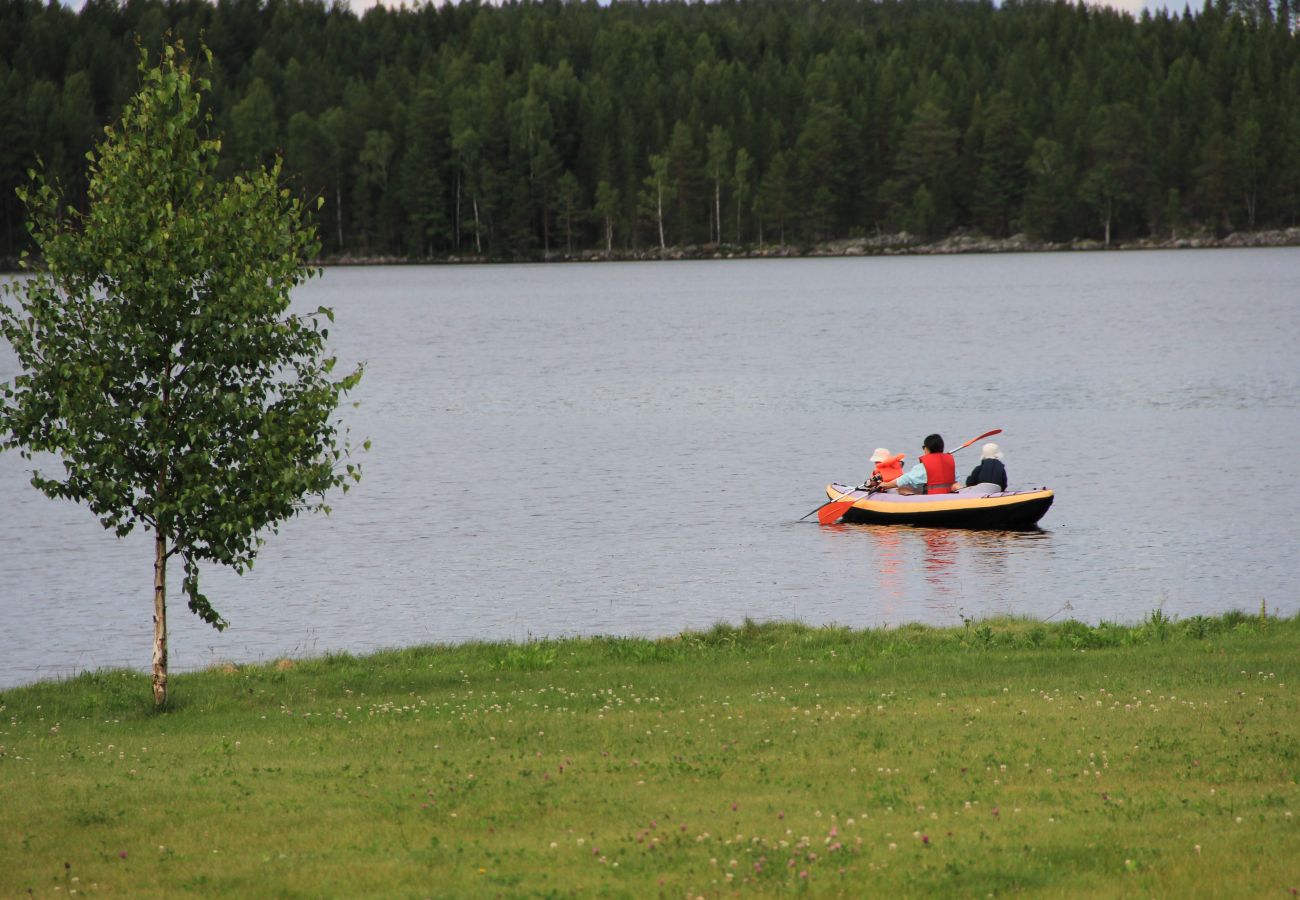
[1008,510]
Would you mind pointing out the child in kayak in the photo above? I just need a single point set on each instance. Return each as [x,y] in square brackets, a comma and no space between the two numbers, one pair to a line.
[888,465]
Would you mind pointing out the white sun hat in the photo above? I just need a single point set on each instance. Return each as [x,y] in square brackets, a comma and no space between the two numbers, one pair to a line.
[990,451]
[880,455]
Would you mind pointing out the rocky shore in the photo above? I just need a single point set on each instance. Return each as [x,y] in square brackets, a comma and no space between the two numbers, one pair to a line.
[966,242]
[900,244]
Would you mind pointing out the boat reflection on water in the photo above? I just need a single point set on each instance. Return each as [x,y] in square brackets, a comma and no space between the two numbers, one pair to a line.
[940,555]
[954,572]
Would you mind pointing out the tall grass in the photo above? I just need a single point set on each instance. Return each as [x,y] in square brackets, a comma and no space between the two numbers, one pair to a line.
[1003,756]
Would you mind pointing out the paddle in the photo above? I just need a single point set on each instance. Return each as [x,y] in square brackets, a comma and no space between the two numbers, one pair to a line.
[829,502]
[830,511]
[974,439]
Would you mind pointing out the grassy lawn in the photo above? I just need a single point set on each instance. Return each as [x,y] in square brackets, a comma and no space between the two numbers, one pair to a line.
[1005,757]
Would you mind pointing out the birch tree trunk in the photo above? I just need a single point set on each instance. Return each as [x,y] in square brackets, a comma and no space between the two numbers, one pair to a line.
[659,195]
[717,206]
[478,229]
[160,621]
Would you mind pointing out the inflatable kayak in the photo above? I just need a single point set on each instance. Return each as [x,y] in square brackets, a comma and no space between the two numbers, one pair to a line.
[1009,510]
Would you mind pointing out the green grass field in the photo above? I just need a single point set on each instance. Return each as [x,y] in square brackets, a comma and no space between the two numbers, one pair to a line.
[1001,758]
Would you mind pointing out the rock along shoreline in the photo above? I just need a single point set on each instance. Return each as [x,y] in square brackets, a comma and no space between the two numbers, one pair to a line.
[901,244]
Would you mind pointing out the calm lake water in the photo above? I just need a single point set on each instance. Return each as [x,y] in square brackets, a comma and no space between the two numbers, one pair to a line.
[625,449]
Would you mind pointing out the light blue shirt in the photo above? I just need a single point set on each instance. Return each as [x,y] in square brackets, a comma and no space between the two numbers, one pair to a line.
[914,477]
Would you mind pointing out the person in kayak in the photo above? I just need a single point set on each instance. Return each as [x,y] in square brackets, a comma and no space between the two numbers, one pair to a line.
[990,471]
[888,465]
[936,473]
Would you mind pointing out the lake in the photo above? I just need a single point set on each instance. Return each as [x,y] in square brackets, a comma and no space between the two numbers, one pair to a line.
[625,448]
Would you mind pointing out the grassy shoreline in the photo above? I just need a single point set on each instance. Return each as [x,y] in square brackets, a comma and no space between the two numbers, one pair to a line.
[1002,757]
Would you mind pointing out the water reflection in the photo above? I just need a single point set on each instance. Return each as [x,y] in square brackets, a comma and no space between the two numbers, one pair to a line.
[943,568]
[940,554]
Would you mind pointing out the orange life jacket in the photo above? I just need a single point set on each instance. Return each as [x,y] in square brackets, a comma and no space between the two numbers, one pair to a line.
[940,472]
[891,468]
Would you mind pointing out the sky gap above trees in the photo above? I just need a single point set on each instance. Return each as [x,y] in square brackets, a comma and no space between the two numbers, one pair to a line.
[541,128]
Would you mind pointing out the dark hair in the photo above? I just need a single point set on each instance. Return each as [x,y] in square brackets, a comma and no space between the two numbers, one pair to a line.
[933,443]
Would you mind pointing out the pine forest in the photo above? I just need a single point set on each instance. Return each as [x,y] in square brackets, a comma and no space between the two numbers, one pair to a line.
[537,129]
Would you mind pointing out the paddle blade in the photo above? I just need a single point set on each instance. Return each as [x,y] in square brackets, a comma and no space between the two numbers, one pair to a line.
[980,438]
[831,512]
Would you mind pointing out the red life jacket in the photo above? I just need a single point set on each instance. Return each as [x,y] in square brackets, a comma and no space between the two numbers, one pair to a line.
[891,468]
[940,472]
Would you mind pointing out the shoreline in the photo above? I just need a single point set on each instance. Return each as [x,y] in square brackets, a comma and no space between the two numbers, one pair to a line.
[1019,632]
[901,244]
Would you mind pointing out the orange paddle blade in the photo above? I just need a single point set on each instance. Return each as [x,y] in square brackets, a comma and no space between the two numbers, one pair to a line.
[831,512]
[974,439]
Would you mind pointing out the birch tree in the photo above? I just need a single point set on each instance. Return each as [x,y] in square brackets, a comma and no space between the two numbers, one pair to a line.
[719,151]
[657,193]
[606,209]
[157,355]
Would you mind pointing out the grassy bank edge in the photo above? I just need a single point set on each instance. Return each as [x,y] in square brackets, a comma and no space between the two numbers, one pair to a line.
[858,646]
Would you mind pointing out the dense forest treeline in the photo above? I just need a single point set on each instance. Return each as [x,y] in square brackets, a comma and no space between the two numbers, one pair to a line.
[542,127]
